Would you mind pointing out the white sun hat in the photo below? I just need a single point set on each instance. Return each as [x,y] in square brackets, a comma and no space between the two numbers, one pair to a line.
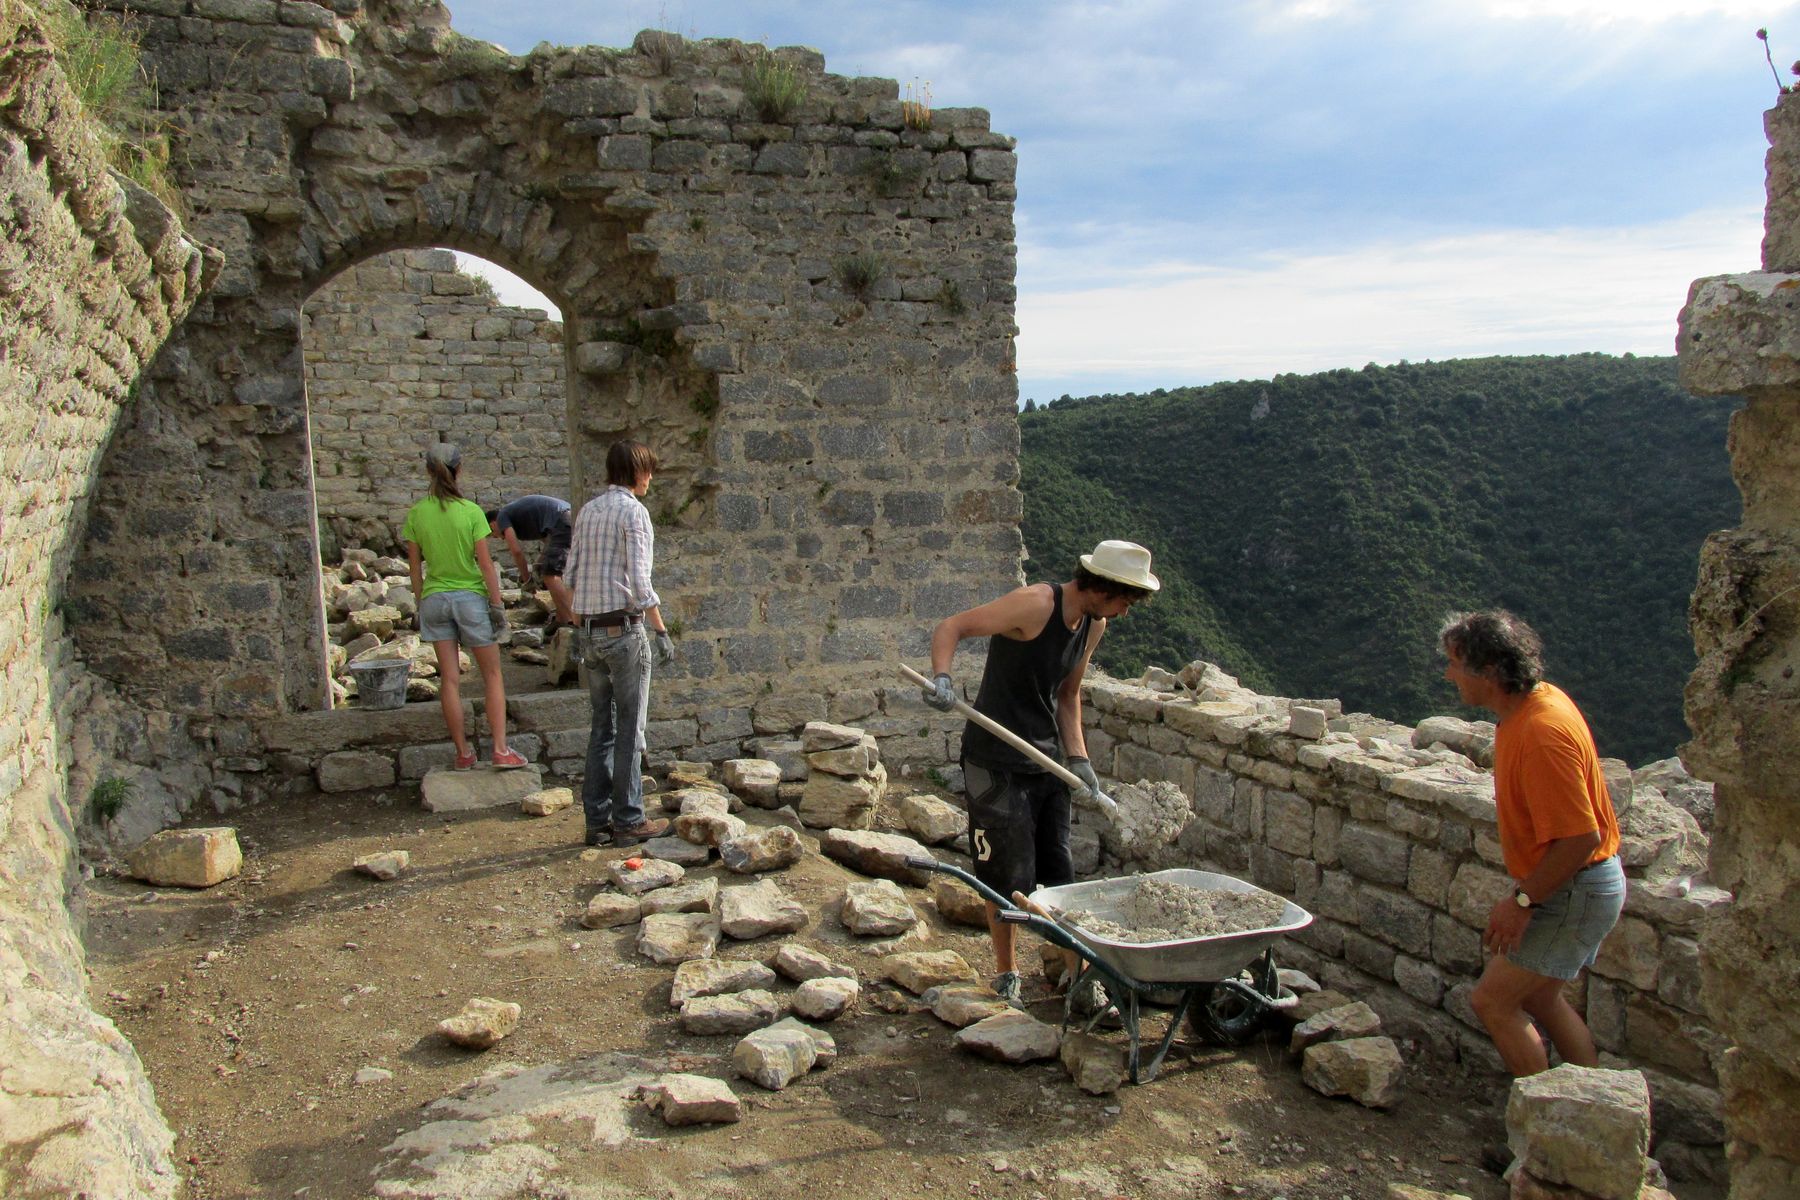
[1122,562]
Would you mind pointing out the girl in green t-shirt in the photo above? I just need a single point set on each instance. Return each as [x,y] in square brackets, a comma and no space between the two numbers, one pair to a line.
[459,598]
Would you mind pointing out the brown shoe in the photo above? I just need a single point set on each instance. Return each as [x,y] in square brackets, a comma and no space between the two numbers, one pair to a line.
[631,835]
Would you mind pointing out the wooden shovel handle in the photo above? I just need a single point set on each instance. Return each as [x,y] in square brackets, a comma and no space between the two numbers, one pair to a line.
[1003,733]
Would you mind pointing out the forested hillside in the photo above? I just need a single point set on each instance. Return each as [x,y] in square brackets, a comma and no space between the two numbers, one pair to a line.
[1312,531]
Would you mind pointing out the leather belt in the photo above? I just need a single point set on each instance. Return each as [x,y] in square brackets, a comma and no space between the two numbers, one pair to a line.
[612,620]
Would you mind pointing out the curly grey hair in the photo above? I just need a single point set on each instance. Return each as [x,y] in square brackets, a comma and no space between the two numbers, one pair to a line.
[1497,644]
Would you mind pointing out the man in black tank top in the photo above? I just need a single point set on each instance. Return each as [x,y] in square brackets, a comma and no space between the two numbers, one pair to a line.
[1040,638]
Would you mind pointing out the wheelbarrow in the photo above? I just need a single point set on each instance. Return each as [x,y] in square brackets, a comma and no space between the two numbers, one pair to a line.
[1225,985]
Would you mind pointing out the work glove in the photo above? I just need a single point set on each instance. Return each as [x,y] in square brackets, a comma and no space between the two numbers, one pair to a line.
[1083,770]
[497,614]
[940,695]
[665,648]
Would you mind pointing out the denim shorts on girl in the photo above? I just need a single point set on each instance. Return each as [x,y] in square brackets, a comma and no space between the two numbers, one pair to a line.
[1566,930]
[456,617]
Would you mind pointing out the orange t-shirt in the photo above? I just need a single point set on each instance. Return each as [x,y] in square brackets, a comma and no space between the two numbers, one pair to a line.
[1547,781]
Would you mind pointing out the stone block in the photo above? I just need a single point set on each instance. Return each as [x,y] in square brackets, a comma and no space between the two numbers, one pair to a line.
[1011,1037]
[482,1022]
[693,1100]
[1369,1070]
[1582,1127]
[1374,854]
[191,858]
[355,771]
[315,734]
[483,787]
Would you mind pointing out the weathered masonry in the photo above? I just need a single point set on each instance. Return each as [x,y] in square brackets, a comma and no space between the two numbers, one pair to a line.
[94,273]
[806,312]
[1740,336]
[404,345]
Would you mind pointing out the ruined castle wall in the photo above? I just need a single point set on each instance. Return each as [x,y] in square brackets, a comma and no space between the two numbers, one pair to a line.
[1740,336]
[403,344]
[808,314]
[93,274]
[1395,852]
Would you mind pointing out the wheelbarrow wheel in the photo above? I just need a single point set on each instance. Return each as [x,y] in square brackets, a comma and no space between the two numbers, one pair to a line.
[1227,1017]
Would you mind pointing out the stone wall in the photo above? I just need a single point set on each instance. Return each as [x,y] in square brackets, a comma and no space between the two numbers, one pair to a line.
[405,348]
[93,274]
[1740,336]
[1388,838]
[809,315]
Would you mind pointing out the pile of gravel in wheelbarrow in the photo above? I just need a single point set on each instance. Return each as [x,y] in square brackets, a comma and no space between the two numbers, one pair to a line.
[1157,910]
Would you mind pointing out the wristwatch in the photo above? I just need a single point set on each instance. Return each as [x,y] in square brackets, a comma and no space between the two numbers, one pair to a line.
[1520,898]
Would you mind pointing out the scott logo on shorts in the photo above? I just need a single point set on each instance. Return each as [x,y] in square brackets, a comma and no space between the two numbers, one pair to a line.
[984,849]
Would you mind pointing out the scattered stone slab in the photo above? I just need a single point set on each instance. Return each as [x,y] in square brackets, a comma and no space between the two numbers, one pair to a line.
[1011,1037]
[958,903]
[824,1042]
[670,938]
[608,909]
[716,977]
[773,1058]
[482,1022]
[1368,1070]
[800,964]
[446,790]
[823,735]
[367,1075]
[691,801]
[1582,1127]
[548,801]
[757,909]
[693,1100]
[694,896]
[355,771]
[771,849]
[882,855]
[825,999]
[384,865]
[788,815]
[850,762]
[961,1004]
[190,858]
[1354,1020]
[647,876]
[1097,1067]
[709,829]
[730,1012]
[757,780]
[675,850]
[877,908]
[833,802]
[918,971]
[931,820]
[1311,1004]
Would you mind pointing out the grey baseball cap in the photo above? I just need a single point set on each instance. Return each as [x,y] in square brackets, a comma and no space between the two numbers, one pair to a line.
[444,454]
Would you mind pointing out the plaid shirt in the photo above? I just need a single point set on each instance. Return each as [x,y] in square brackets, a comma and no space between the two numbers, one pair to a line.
[611,555]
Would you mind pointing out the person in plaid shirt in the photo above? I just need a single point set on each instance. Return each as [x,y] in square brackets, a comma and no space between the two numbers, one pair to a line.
[610,559]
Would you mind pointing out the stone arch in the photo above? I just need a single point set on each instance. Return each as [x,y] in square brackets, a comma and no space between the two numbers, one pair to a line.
[841,453]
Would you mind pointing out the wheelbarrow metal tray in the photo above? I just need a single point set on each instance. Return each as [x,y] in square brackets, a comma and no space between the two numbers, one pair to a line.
[1190,960]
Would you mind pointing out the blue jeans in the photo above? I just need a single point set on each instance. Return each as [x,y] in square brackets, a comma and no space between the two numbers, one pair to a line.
[612,790]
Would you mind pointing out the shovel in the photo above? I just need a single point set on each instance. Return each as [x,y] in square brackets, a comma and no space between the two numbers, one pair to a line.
[1018,743]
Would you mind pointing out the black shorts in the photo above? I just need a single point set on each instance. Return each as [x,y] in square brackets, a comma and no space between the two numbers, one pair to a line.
[555,557]
[1018,829]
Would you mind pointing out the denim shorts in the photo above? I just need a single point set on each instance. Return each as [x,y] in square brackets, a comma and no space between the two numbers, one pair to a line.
[456,617]
[1566,930]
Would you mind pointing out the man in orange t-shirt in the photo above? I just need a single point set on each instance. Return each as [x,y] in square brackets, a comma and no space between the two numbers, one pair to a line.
[1558,835]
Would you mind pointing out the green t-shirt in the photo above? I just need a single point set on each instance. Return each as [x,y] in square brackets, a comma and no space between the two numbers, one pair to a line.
[446,535]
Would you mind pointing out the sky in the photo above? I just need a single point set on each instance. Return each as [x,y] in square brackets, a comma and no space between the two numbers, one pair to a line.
[1234,189]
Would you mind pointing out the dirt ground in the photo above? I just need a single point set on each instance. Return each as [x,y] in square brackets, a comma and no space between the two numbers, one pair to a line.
[256,1003]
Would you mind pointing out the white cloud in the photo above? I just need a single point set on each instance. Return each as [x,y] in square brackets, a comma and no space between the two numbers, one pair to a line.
[507,286]
[1522,291]
[1630,12]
